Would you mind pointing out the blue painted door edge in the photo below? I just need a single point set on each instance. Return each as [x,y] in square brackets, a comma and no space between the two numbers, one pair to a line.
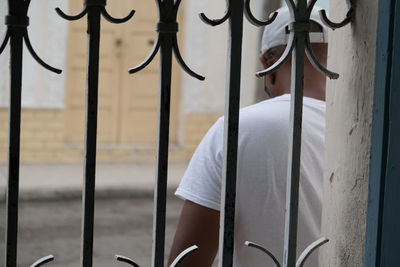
[383,212]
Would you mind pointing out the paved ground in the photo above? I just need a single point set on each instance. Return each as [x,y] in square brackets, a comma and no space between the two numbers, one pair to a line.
[64,181]
[122,226]
[50,212]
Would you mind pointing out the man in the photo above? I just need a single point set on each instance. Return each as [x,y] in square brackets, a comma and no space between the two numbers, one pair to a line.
[262,165]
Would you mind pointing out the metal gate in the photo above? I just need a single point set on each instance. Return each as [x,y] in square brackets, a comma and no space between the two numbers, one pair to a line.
[298,47]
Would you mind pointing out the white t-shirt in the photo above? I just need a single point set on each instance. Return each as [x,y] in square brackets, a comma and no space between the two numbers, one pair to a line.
[261,180]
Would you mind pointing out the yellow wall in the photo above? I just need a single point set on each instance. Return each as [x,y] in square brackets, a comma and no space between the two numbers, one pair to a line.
[43,140]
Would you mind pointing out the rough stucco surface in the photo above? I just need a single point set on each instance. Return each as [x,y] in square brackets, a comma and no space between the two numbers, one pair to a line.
[349,109]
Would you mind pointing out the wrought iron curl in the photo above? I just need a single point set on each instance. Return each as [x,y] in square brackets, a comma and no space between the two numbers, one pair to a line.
[147,61]
[5,42]
[175,263]
[167,28]
[126,260]
[69,17]
[307,252]
[253,20]
[43,261]
[97,3]
[183,255]
[111,19]
[255,245]
[296,27]
[303,256]
[313,59]
[215,22]
[285,57]
[335,25]
[22,21]
[36,57]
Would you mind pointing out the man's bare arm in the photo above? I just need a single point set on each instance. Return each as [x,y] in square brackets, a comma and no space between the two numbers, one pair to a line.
[199,226]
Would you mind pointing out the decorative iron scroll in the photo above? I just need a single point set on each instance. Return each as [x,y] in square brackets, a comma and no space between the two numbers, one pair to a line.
[167,28]
[349,17]
[21,21]
[43,261]
[17,22]
[94,9]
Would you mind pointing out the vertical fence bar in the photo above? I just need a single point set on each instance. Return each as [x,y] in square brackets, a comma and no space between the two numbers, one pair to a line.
[17,22]
[167,28]
[160,191]
[231,128]
[16,44]
[16,10]
[296,112]
[93,18]
[94,10]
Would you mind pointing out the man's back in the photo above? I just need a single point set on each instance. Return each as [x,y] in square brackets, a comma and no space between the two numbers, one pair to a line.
[261,182]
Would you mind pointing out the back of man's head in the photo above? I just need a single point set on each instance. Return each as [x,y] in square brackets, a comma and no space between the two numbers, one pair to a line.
[274,42]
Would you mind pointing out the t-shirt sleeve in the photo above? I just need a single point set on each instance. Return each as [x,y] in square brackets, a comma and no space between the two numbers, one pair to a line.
[201,182]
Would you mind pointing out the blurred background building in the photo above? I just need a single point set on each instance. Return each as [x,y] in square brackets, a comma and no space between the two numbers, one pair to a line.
[54,105]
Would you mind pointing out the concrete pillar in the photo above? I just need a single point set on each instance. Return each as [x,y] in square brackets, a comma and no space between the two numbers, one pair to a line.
[349,114]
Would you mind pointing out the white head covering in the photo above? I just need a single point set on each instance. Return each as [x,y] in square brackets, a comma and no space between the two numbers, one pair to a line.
[275,34]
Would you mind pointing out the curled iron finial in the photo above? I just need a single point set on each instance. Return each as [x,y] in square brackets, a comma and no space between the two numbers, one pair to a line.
[307,252]
[5,41]
[36,57]
[126,260]
[285,56]
[104,12]
[117,20]
[310,5]
[167,27]
[290,44]
[333,25]
[215,22]
[182,62]
[69,17]
[312,58]
[183,255]
[147,61]
[22,21]
[43,261]
[253,20]
[254,245]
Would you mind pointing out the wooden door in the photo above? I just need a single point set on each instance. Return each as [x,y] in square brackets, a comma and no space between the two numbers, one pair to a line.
[127,103]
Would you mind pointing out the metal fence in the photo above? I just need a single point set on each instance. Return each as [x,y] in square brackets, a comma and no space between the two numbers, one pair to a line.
[298,47]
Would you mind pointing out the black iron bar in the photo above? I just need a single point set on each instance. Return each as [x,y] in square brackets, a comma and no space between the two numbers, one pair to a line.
[17,22]
[160,191]
[167,28]
[93,18]
[16,31]
[16,45]
[300,27]
[232,104]
[94,9]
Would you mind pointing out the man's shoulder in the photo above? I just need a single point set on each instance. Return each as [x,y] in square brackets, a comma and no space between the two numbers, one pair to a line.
[270,110]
